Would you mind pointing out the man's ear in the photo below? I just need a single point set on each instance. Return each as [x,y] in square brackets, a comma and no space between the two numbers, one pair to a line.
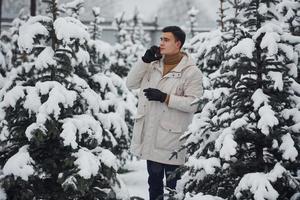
[178,43]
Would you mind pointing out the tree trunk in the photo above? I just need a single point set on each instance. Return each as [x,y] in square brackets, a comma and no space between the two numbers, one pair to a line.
[0,15]
[222,15]
[32,7]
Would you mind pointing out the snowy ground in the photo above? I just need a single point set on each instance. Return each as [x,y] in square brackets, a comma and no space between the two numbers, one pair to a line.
[136,179]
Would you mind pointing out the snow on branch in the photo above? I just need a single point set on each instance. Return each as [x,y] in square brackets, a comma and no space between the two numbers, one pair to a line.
[267,119]
[293,113]
[33,127]
[80,124]
[259,98]
[82,57]
[277,78]
[246,47]
[288,6]
[87,162]
[108,158]
[201,196]
[20,164]
[90,161]
[288,148]
[114,121]
[271,37]
[11,98]
[208,165]
[68,28]
[290,38]
[259,184]
[225,144]
[45,58]
[29,30]
[58,94]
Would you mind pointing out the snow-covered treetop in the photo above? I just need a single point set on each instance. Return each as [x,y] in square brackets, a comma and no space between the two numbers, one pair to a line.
[74,8]
[67,29]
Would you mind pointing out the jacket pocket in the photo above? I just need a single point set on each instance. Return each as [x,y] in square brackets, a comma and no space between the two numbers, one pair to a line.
[168,135]
[137,136]
[179,91]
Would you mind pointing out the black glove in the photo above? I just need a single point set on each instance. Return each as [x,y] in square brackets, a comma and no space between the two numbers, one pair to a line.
[152,54]
[153,94]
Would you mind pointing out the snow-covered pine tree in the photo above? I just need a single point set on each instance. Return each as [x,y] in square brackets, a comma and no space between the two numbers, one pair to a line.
[208,48]
[5,55]
[192,23]
[123,56]
[290,11]
[99,50]
[138,35]
[73,8]
[232,20]
[11,55]
[118,100]
[244,144]
[290,16]
[221,15]
[13,33]
[51,130]
[231,34]
[95,25]
[118,115]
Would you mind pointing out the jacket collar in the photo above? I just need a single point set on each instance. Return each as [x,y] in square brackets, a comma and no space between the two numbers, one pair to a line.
[185,62]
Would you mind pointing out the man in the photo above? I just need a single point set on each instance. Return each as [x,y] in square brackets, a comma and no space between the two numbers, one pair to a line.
[169,83]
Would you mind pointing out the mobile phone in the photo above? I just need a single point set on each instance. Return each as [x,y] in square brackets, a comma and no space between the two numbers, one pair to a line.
[157,53]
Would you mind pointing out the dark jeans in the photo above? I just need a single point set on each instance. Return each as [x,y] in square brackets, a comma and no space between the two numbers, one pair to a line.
[156,173]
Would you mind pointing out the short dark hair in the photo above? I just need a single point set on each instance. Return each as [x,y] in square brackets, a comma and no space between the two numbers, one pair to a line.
[178,33]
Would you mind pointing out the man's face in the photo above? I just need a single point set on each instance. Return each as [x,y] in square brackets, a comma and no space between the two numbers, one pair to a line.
[168,44]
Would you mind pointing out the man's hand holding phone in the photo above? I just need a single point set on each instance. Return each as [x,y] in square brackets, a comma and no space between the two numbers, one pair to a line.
[152,54]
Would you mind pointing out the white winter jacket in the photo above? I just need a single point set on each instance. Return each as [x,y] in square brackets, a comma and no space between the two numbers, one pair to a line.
[158,126]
